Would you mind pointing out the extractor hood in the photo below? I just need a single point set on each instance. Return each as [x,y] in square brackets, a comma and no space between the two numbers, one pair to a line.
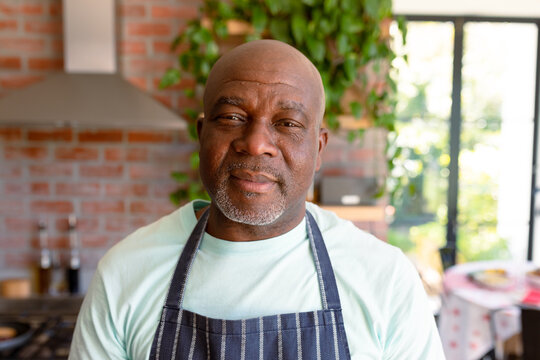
[90,93]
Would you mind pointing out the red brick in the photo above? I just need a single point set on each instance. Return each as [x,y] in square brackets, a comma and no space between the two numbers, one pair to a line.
[132,48]
[162,47]
[7,9]
[21,224]
[13,242]
[55,9]
[132,10]
[11,207]
[109,171]
[52,206]
[78,189]
[361,155]
[103,207]
[64,134]
[25,152]
[101,136]
[10,62]
[164,99]
[174,12]
[32,9]
[10,134]
[149,137]
[23,259]
[333,155]
[76,153]
[26,188]
[124,189]
[122,154]
[148,29]
[185,102]
[125,224]
[163,190]
[176,154]
[11,171]
[57,46]
[44,27]
[45,64]
[54,242]
[51,170]
[139,82]
[83,224]
[94,241]
[160,207]
[149,172]
[22,45]
[149,65]
[19,81]
[8,25]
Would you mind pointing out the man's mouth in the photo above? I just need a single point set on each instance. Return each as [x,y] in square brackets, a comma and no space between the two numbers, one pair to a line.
[253,181]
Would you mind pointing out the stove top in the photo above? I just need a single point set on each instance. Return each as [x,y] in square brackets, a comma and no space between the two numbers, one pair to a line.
[50,331]
[50,338]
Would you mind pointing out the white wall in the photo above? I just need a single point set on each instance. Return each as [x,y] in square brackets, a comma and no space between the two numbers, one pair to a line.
[514,8]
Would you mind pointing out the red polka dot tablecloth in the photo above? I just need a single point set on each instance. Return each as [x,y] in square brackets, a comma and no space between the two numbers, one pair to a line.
[474,318]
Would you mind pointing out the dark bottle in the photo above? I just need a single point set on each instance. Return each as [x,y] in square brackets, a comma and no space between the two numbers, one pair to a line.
[45,261]
[72,272]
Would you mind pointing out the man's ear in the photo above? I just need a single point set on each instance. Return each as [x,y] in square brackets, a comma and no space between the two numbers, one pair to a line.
[323,140]
[200,120]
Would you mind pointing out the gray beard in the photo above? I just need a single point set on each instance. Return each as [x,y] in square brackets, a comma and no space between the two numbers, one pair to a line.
[254,217]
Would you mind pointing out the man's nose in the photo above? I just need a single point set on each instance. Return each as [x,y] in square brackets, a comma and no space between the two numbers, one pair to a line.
[256,139]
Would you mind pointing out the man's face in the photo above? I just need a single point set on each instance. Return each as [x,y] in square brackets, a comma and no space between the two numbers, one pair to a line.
[260,143]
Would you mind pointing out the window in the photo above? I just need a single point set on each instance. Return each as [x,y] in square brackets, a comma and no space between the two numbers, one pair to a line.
[466,110]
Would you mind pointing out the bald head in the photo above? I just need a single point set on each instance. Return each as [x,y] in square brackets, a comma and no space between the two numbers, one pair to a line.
[268,62]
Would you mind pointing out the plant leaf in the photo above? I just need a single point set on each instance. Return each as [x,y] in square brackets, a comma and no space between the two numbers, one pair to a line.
[316,48]
[350,66]
[171,77]
[298,27]
[356,109]
[259,19]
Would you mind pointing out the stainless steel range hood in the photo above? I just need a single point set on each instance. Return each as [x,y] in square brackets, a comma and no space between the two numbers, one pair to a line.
[89,93]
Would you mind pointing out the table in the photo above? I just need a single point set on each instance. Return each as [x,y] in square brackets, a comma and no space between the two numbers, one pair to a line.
[474,319]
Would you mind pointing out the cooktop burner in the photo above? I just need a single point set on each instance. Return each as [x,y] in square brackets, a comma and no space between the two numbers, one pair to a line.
[42,327]
[50,337]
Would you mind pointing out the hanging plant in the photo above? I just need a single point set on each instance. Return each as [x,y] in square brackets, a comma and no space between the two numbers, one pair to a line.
[347,40]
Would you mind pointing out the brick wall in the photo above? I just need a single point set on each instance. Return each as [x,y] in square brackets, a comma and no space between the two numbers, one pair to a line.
[115,181]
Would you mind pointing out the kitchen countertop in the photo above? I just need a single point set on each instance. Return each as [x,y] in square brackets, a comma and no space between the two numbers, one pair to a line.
[46,305]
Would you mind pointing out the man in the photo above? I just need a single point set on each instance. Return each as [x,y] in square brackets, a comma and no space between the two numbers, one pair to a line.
[258,273]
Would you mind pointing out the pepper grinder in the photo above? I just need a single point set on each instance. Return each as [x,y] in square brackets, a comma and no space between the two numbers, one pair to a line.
[45,261]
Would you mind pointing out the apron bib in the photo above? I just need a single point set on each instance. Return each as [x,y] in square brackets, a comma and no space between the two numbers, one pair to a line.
[312,335]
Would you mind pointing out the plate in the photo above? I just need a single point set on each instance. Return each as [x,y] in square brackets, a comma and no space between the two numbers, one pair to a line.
[497,279]
[533,277]
[23,332]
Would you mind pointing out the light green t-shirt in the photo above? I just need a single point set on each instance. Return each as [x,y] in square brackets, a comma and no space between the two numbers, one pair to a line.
[385,308]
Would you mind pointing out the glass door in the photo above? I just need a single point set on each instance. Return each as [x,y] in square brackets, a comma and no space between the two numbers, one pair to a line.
[499,64]
[423,110]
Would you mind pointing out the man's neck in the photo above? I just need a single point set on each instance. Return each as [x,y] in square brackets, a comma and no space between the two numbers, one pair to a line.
[222,227]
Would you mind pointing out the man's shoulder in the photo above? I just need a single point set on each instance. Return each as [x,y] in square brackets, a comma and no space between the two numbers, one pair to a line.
[353,247]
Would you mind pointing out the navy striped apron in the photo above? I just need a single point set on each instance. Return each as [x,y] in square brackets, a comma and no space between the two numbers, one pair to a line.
[312,335]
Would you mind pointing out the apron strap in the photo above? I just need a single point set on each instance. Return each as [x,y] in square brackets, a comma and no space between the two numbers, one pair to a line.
[178,282]
[325,273]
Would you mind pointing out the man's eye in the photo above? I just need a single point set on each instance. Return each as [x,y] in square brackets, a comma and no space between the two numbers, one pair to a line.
[288,123]
[230,118]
